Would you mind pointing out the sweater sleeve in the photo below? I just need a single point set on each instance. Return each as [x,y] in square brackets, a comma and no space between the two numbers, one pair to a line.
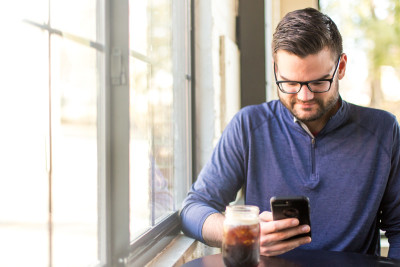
[390,207]
[218,182]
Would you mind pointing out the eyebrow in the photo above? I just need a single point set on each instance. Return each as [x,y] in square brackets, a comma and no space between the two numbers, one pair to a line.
[321,78]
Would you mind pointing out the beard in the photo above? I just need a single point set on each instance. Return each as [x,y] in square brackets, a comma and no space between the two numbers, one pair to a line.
[323,107]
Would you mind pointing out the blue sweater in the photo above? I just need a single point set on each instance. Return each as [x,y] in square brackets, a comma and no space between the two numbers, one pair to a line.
[350,172]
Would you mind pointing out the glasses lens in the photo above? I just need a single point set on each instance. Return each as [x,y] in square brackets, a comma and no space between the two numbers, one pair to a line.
[289,87]
[319,86]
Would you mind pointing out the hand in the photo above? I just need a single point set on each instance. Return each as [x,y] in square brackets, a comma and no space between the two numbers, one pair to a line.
[273,234]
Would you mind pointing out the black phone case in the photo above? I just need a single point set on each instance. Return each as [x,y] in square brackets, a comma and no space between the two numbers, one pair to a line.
[292,207]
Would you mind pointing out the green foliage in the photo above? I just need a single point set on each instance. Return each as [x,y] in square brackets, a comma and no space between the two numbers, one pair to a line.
[373,25]
[373,28]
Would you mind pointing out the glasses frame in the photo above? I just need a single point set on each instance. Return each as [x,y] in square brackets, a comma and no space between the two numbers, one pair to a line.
[278,83]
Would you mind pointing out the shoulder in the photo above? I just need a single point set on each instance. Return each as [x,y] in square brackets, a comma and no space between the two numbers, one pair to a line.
[255,115]
[252,122]
[376,121]
[371,117]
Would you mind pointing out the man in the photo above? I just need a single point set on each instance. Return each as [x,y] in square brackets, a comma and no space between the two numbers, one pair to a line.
[344,158]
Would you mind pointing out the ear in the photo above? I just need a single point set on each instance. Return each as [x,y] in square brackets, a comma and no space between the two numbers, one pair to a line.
[342,66]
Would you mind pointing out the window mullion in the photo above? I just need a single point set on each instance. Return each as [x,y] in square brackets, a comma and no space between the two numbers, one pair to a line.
[118,129]
[103,206]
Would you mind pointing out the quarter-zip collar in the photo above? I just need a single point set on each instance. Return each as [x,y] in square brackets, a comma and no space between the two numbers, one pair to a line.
[334,122]
[312,179]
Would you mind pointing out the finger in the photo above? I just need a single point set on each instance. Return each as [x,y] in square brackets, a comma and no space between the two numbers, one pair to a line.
[266,216]
[283,235]
[284,246]
[276,226]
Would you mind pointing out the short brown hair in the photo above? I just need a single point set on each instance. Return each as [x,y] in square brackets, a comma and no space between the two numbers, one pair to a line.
[305,32]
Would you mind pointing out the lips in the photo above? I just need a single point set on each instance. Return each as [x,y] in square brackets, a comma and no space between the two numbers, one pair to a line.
[306,105]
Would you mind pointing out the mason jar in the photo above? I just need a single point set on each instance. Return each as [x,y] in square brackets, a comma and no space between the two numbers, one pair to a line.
[241,237]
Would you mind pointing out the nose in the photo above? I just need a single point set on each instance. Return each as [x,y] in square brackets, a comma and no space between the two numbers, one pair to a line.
[305,94]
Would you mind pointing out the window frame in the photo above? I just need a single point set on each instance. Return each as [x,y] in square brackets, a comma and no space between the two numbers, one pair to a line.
[116,137]
[123,251]
[146,247]
[114,245]
[149,244]
[100,46]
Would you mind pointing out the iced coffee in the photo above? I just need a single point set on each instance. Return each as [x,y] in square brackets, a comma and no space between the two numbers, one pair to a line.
[241,238]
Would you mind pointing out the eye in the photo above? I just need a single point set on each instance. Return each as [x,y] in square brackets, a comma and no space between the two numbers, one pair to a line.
[292,83]
[317,83]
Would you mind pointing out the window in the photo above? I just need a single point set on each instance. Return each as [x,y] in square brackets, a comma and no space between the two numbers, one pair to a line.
[159,103]
[68,68]
[49,106]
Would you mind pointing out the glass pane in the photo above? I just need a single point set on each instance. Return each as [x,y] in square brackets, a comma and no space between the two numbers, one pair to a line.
[24,183]
[76,17]
[140,147]
[74,136]
[138,26]
[152,128]
[37,10]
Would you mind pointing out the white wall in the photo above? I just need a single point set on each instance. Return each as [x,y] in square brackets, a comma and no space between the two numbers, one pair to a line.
[217,66]
[215,23]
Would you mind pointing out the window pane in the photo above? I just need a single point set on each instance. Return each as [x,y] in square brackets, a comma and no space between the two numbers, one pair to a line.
[75,17]
[138,25]
[152,154]
[23,139]
[37,10]
[140,147]
[74,136]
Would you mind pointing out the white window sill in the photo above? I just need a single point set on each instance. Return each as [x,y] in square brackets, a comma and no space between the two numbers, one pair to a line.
[181,250]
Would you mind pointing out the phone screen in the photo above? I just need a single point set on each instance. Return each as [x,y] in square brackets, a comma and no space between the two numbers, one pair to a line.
[292,207]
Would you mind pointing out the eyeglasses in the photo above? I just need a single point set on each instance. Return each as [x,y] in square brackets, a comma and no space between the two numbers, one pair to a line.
[315,86]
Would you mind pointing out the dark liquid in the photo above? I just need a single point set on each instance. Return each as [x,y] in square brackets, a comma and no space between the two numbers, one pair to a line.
[241,246]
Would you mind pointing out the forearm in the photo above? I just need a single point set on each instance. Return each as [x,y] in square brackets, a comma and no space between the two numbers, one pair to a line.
[213,229]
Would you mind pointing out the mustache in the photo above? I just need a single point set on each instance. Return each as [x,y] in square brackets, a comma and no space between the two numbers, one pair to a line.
[313,101]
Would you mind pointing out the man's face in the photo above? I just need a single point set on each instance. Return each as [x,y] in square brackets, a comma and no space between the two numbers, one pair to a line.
[306,105]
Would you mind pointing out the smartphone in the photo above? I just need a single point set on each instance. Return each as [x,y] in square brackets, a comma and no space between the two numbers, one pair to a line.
[292,207]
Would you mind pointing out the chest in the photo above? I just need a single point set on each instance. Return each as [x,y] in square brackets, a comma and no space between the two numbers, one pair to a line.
[331,166]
